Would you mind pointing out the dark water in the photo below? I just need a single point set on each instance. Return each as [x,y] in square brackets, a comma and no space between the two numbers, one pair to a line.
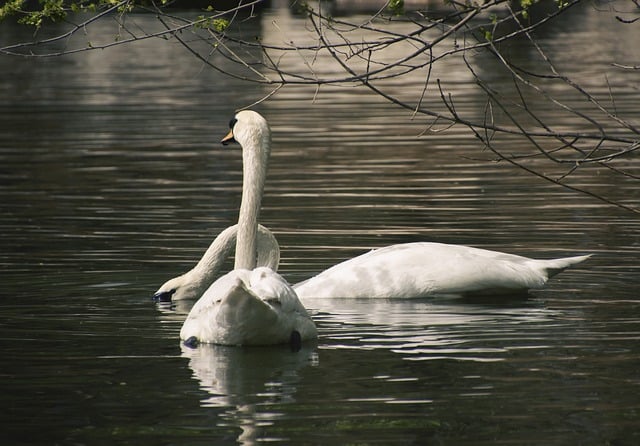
[113,181]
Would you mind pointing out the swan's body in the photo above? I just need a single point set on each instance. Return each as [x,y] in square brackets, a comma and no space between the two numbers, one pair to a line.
[399,271]
[193,283]
[424,269]
[409,270]
[249,305]
[248,308]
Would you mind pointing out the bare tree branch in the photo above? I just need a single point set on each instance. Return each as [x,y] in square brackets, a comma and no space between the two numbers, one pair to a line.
[369,52]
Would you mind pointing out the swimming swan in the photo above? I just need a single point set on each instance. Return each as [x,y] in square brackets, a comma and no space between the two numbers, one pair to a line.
[423,269]
[194,282]
[249,305]
[419,269]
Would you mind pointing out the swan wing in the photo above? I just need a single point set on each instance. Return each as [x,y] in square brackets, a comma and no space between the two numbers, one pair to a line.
[272,288]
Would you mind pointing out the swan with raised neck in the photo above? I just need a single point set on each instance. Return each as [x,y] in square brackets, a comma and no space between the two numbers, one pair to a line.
[408,270]
[249,306]
[254,135]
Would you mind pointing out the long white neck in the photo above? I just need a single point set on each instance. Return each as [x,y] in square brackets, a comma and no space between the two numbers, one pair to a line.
[213,259]
[211,262]
[255,157]
[194,282]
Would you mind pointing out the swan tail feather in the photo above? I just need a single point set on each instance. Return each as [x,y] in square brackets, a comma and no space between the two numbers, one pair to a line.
[556,266]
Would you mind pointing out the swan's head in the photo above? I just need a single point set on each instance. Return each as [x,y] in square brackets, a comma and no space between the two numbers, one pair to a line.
[248,128]
[178,288]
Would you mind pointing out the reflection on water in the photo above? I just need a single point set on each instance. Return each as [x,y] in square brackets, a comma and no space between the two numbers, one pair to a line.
[249,383]
[113,182]
[386,357]
[424,330]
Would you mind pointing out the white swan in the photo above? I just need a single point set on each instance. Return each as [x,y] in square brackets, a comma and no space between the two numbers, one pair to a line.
[425,269]
[419,269]
[407,270]
[193,283]
[249,306]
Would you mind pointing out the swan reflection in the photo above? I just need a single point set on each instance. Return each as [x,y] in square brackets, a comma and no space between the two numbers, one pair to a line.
[416,329]
[433,329]
[248,382]
[254,389]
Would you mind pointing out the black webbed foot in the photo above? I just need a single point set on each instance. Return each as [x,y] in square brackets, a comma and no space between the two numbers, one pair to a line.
[191,342]
[295,341]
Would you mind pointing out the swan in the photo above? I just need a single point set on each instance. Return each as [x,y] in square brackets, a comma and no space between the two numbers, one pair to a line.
[423,269]
[194,282]
[409,270]
[249,305]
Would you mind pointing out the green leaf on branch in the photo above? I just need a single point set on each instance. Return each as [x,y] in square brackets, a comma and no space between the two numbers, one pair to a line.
[52,10]
[525,5]
[396,7]
[215,23]
[10,8]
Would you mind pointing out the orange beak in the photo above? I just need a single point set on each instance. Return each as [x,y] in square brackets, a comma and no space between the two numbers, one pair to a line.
[228,139]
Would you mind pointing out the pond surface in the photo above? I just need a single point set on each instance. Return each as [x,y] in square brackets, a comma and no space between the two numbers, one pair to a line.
[113,181]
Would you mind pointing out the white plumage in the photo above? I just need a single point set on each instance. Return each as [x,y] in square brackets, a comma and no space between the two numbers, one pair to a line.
[248,308]
[195,282]
[424,269]
[257,306]
[249,305]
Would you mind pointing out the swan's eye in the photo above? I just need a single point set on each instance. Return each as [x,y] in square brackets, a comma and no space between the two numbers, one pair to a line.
[232,123]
